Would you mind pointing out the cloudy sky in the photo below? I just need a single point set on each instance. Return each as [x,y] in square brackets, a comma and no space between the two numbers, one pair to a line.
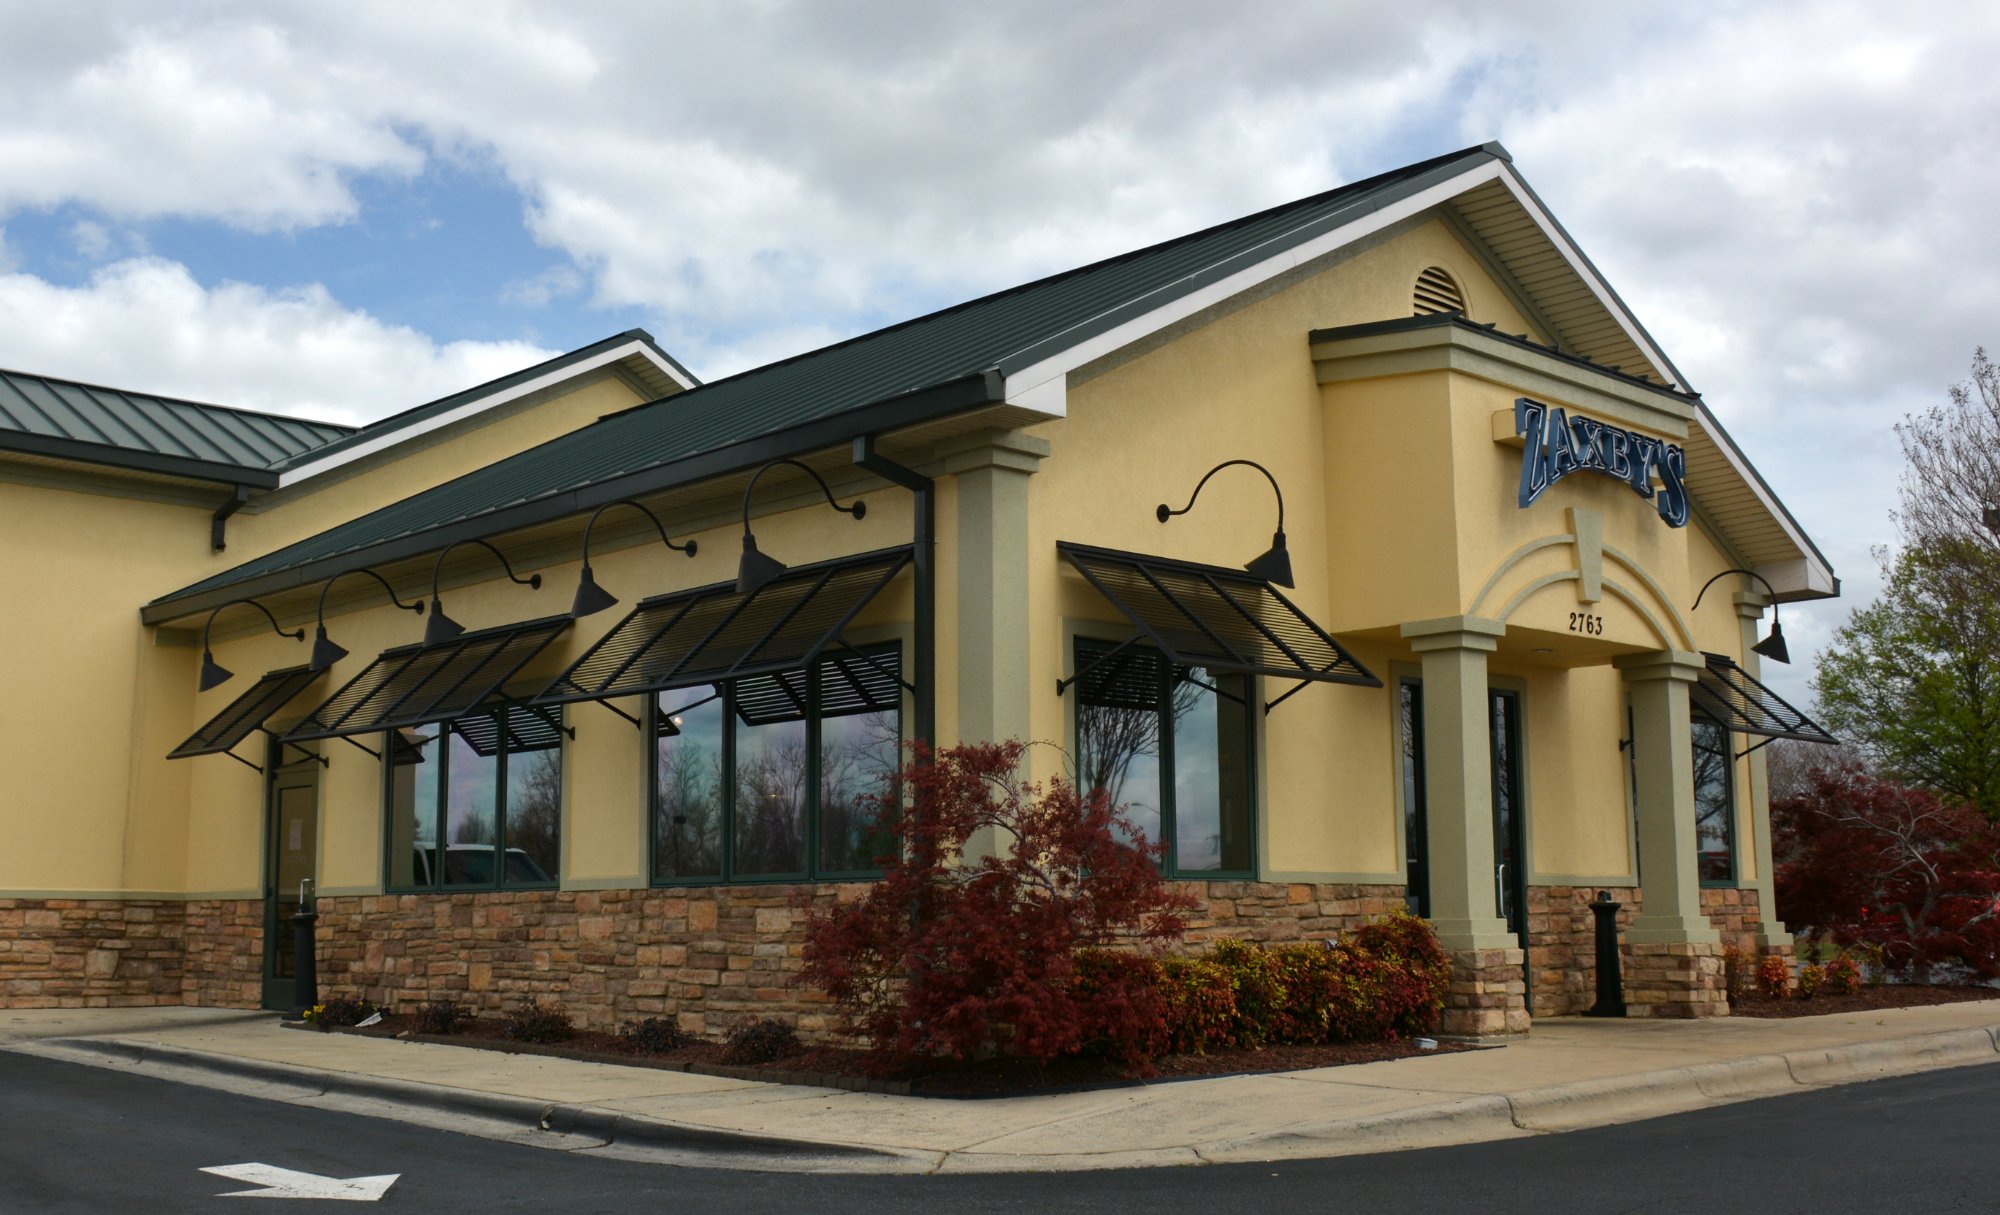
[343,210]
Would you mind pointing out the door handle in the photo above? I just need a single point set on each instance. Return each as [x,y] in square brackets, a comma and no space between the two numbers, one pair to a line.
[1500,889]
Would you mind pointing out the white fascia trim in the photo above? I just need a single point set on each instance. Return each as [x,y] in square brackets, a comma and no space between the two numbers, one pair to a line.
[1598,287]
[1043,386]
[1808,573]
[479,405]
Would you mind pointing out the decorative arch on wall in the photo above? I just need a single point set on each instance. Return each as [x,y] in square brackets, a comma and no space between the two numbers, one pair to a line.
[1647,599]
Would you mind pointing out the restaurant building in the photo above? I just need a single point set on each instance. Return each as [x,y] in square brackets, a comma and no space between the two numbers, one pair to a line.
[1367,548]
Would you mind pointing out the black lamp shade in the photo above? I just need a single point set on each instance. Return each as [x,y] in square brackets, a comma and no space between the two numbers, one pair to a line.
[326,651]
[441,628]
[213,673]
[1773,647]
[1275,566]
[590,597]
[755,569]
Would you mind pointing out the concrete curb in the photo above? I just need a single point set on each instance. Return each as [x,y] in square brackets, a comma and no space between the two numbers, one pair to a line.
[1475,1118]
[737,1149]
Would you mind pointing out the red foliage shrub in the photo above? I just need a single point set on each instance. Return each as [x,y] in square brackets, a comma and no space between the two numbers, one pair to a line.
[959,956]
[1124,1009]
[1413,975]
[1843,976]
[1259,983]
[1868,862]
[1774,977]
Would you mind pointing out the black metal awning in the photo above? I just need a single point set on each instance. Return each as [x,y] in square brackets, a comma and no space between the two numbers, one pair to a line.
[247,713]
[1217,618]
[850,682]
[518,727]
[1727,693]
[714,633]
[416,685]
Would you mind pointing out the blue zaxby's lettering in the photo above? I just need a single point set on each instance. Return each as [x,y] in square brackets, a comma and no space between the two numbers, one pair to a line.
[1556,445]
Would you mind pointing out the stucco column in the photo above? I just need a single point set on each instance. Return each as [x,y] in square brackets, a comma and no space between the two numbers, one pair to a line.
[992,590]
[1771,932]
[1663,786]
[1458,780]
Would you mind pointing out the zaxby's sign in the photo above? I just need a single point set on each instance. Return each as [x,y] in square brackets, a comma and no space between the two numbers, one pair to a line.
[1556,445]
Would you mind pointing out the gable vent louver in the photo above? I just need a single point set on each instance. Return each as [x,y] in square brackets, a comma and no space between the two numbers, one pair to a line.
[1436,292]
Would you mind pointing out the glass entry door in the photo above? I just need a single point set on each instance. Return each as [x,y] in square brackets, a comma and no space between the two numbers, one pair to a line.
[1510,853]
[291,856]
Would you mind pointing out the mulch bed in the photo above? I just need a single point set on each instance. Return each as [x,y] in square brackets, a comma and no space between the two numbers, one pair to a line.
[1868,999]
[830,1067]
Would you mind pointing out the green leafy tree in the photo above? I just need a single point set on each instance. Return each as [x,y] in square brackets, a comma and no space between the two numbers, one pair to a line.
[1913,679]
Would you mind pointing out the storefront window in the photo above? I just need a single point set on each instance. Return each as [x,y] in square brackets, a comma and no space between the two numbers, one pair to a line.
[806,759]
[1172,746]
[1714,802]
[475,803]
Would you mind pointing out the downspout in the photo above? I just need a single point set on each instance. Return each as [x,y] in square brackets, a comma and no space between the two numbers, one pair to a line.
[218,524]
[925,566]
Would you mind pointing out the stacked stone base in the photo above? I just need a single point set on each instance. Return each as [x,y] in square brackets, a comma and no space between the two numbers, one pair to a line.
[1682,979]
[1488,995]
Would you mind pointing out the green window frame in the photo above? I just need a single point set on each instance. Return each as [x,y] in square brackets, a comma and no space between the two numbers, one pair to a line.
[1714,800]
[763,779]
[1177,747]
[489,786]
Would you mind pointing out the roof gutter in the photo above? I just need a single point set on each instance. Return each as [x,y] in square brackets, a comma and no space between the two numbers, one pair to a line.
[139,461]
[976,391]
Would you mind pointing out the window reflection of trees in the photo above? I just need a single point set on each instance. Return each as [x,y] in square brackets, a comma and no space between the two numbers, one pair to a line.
[688,822]
[1713,801]
[770,799]
[859,755]
[534,805]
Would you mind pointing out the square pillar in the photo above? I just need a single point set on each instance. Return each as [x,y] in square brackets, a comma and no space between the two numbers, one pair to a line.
[991,542]
[1489,988]
[1771,933]
[1673,956]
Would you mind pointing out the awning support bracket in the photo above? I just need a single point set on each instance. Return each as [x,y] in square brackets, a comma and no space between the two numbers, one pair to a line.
[1063,685]
[321,760]
[246,763]
[349,740]
[905,684]
[1760,746]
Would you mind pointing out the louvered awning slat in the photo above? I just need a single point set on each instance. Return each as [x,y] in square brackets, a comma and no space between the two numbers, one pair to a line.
[1727,693]
[247,713]
[1220,619]
[417,685]
[715,633]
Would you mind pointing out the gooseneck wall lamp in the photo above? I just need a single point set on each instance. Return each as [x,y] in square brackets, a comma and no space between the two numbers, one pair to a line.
[1275,564]
[327,651]
[755,568]
[1772,647]
[442,628]
[214,673]
[591,597]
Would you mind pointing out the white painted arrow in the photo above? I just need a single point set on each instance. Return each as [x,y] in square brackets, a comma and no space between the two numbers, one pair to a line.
[289,1183]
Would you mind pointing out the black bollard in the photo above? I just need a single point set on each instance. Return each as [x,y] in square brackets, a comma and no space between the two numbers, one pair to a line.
[1610,980]
[305,971]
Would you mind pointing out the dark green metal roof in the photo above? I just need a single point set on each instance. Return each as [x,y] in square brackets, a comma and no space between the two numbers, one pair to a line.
[915,371]
[430,409]
[42,415]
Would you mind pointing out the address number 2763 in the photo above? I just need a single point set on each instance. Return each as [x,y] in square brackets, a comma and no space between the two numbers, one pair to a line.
[1586,622]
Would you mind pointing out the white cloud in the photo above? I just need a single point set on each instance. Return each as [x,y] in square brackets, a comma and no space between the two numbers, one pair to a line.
[146,324]
[92,239]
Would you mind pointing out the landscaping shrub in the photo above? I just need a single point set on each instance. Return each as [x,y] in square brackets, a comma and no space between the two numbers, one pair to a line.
[1124,1009]
[1774,977]
[1811,977]
[765,1041]
[1200,1005]
[340,1011]
[1843,976]
[653,1036]
[1258,979]
[538,1022]
[439,1017]
[1735,973]
[956,956]
[1412,969]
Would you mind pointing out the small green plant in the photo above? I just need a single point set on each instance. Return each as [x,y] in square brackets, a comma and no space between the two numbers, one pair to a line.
[1843,976]
[1774,977]
[653,1036]
[1811,979]
[439,1017]
[340,1011]
[540,1023]
[765,1041]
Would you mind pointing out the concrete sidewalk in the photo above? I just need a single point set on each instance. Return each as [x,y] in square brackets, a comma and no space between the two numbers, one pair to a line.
[1569,1073]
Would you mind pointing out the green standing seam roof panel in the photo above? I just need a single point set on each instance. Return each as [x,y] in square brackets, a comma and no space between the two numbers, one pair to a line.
[1002,332]
[128,424]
